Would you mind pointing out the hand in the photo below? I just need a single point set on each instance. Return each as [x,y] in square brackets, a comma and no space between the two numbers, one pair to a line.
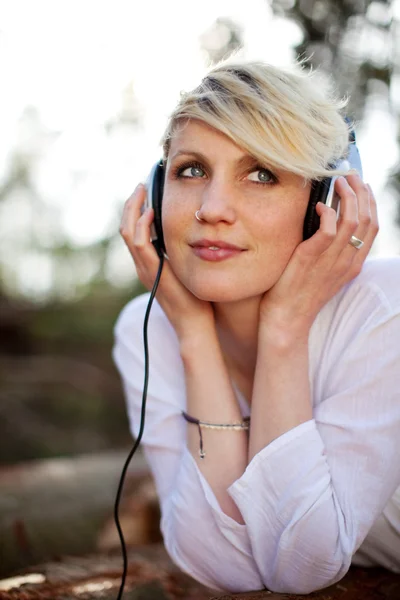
[323,264]
[186,313]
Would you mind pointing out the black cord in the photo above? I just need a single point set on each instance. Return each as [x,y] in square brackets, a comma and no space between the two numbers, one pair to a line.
[141,428]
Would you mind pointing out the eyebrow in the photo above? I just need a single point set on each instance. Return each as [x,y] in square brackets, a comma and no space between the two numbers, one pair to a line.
[243,161]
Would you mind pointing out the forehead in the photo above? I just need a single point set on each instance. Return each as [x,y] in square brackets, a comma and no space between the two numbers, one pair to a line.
[204,142]
[195,136]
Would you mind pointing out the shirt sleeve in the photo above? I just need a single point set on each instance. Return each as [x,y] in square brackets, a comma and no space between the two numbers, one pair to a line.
[310,497]
[200,538]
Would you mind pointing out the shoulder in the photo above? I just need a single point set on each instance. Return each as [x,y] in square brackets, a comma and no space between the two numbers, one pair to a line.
[165,378]
[373,296]
[129,325]
[163,347]
[132,315]
[380,277]
[362,317]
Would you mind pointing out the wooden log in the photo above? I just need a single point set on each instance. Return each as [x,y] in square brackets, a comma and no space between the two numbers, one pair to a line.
[152,576]
[358,584]
[55,507]
[139,517]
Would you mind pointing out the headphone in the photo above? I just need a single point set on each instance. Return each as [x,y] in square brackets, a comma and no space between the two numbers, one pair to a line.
[321,191]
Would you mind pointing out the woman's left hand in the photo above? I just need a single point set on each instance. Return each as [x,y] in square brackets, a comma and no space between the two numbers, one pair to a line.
[320,266]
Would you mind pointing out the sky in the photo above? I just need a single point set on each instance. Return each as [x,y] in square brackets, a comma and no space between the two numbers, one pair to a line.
[72,61]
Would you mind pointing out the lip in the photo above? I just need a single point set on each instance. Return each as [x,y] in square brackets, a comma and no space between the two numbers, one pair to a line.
[215,250]
[204,243]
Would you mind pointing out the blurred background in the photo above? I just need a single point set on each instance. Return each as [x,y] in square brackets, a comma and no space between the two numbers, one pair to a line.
[87,87]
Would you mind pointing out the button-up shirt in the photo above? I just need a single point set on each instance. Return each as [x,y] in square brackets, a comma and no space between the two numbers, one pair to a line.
[316,499]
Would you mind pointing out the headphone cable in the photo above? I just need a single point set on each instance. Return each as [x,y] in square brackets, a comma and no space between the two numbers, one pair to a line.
[141,427]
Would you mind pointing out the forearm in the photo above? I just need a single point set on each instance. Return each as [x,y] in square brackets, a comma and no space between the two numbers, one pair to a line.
[210,397]
[281,393]
[201,540]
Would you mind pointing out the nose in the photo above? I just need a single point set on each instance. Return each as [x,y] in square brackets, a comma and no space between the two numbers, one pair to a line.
[218,202]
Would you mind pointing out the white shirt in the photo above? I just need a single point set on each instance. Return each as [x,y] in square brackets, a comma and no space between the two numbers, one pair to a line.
[313,496]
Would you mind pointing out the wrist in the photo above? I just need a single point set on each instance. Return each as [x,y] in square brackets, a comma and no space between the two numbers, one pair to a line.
[196,340]
[194,327]
[284,334]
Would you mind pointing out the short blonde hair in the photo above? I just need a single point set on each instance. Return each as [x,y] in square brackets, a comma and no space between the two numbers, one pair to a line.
[281,117]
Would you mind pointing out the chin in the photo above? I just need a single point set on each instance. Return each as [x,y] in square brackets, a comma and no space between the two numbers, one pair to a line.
[218,296]
[223,292]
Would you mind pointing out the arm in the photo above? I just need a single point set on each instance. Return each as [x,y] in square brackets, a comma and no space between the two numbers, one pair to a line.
[318,269]
[210,544]
[298,497]
[200,538]
[281,394]
[211,398]
[316,490]
[205,373]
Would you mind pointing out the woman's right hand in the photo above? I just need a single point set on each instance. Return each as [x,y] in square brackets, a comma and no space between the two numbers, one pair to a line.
[186,313]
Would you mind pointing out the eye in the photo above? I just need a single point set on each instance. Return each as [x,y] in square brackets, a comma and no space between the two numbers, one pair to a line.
[191,171]
[262,175]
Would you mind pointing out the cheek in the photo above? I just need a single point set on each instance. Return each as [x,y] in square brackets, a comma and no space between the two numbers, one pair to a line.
[294,221]
[283,228]
[278,235]
[176,220]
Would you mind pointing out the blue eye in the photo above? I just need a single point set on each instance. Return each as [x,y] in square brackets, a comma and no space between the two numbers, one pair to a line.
[191,171]
[262,176]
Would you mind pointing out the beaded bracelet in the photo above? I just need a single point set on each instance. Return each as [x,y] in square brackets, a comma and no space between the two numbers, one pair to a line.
[244,425]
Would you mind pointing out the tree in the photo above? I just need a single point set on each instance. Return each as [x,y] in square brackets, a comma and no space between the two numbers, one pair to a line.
[358,42]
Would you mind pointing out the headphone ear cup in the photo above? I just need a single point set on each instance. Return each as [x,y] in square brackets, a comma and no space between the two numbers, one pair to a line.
[157,191]
[319,193]
[323,191]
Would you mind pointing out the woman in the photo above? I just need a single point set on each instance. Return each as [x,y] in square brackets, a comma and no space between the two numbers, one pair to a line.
[252,321]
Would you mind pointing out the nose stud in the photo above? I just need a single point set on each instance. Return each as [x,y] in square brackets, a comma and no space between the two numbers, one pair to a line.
[196,214]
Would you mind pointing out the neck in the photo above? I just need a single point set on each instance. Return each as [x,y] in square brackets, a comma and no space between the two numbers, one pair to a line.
[237,327]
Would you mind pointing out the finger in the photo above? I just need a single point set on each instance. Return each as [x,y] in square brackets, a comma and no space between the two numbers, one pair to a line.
[324,236]
[374,226]
[131,212]
[371,232]
[362,192]
[367,217]
[327,231]
[351,259]
[141,238]
[135,230]
[312,250]
[348,221]
[142,250]
[370,225]
[139,242]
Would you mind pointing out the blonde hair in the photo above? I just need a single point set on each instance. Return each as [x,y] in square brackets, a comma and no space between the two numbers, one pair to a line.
[281,117]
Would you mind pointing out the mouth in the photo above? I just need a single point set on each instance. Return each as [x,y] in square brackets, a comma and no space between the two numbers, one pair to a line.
[215,250]
[215,245]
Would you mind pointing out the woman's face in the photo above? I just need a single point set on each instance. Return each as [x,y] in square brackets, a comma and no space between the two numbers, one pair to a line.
[252,218]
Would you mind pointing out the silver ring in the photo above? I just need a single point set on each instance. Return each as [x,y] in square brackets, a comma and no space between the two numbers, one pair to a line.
[356,242]
[196,214]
